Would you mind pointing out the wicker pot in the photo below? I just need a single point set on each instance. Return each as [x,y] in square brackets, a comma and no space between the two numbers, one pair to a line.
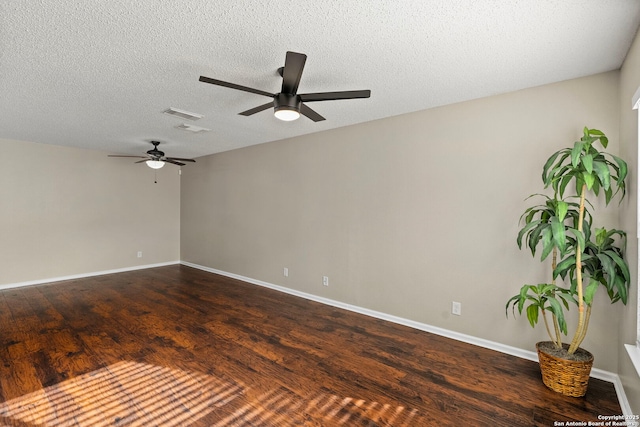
[567,377]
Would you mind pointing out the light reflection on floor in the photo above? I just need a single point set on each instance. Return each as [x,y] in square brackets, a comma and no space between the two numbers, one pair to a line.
[137,394]
[126,393]
[279,408]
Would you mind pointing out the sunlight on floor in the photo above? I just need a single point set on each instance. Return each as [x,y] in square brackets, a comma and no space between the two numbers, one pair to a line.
[137,394]
[126,393]
[279,408]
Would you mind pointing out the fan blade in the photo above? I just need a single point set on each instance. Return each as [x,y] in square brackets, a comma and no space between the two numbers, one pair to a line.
[331,96]
[146,159]
[180,160]
[257,109]
[173,162]
[310,113]
[293,66]
[116,155]
[235,86]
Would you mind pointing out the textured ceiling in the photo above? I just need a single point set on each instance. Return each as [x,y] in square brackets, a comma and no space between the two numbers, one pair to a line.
[98,74]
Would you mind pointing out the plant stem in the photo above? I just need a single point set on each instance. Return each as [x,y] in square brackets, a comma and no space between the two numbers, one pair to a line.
[583,333]
[546,323]
[558,340]
[556,327]
[581,330]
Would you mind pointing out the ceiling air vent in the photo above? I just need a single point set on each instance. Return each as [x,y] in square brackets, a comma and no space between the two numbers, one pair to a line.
[192,128]
[183,114]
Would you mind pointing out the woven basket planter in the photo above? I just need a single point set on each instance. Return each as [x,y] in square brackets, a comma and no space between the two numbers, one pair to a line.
[567,377]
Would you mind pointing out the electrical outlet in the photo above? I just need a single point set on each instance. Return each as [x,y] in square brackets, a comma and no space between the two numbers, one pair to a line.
[286,272]
[139,254]
[456,308]
[325,280]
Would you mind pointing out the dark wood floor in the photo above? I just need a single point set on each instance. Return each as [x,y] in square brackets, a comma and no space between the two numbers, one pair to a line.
[175,346]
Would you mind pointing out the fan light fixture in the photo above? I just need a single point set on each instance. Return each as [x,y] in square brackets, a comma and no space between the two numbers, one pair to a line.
[155,164]
[286,107]
[286,114]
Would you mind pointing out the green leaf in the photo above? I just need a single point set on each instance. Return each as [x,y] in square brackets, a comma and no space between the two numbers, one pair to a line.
[547,243]
[556,309]
[579,237]
[603,173]
[590,291]
[622,165]
[546,289]
[563,183]
[557,230]
[530,213]
[564,266]
[548,164]
[564,295]
[575,153]
[608,194]
[532,314]
[599,135]
[622,265]
[587,161]
[525,229]
[608,266]
[589,179]
[562,176]
[513,300]
[579,181]
[622,290]
[561,210]
[534,237]
[523,297]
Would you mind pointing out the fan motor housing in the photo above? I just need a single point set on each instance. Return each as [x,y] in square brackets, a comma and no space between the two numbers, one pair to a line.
[286,101]
[155,153]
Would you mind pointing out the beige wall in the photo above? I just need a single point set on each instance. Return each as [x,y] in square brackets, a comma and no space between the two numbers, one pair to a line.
[404,214]
[66,211]
[629,83]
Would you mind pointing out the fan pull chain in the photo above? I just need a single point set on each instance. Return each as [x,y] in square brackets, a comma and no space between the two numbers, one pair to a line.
[155,176]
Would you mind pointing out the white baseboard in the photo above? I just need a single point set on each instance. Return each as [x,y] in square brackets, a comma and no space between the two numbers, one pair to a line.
[492,345]
[83,275]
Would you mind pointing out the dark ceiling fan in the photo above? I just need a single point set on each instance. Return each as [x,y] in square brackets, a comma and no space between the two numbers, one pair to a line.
[155,158]
[289,104]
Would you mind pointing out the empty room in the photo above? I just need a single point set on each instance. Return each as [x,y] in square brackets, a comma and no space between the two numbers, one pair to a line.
[319,213]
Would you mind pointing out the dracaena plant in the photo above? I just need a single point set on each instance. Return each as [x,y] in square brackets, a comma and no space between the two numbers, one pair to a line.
[547,226]
[562,228]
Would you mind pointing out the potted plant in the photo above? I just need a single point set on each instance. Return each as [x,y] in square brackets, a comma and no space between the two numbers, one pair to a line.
[584,259]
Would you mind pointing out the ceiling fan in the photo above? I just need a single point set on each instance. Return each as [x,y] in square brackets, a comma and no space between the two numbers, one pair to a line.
[155,158]
[289,104]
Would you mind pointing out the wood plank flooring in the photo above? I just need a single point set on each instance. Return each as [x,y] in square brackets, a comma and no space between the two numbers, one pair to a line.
[175,346]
